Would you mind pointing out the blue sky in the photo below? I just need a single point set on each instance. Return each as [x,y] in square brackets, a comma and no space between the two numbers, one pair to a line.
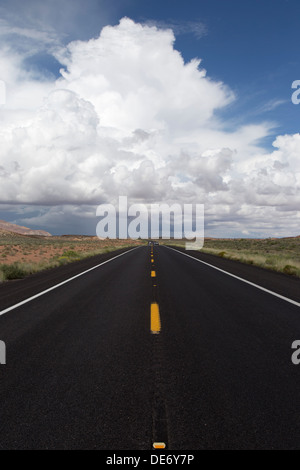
[249,46]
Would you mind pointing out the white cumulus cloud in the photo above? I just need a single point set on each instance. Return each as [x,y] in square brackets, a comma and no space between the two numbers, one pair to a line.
[129,117]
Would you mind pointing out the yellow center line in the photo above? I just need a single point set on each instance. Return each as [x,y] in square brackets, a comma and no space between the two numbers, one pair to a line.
[155,318]
[159,445]
[153,274]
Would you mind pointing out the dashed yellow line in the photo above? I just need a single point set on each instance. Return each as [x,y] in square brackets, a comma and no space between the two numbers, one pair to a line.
[155,318]
[155,324]
[159,445]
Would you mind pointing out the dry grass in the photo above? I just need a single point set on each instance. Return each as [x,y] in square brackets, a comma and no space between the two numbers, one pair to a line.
[21,255]
[276,254]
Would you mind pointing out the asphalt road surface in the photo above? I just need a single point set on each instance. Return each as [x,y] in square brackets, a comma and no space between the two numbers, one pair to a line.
[146,349]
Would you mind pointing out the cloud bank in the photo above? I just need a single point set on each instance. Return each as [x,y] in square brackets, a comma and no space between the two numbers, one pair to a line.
[129,117]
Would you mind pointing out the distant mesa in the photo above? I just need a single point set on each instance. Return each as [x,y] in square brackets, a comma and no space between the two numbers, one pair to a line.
[8,227]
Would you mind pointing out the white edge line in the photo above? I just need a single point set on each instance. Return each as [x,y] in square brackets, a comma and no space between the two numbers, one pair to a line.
[62,283]
[239,278]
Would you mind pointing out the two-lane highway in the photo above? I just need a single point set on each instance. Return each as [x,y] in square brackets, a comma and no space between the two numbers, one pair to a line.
[85,370]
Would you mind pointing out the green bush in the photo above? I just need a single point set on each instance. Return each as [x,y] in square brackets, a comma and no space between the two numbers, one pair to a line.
[13,271]
[290,269]
[70,254]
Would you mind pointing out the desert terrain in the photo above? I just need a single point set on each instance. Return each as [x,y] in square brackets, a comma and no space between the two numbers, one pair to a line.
[24,251]
[21,255]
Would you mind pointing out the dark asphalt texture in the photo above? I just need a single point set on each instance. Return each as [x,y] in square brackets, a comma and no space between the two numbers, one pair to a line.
[84,372]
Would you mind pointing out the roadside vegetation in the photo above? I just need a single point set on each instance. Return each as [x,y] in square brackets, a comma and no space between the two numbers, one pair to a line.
[276,254]
[22,255]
